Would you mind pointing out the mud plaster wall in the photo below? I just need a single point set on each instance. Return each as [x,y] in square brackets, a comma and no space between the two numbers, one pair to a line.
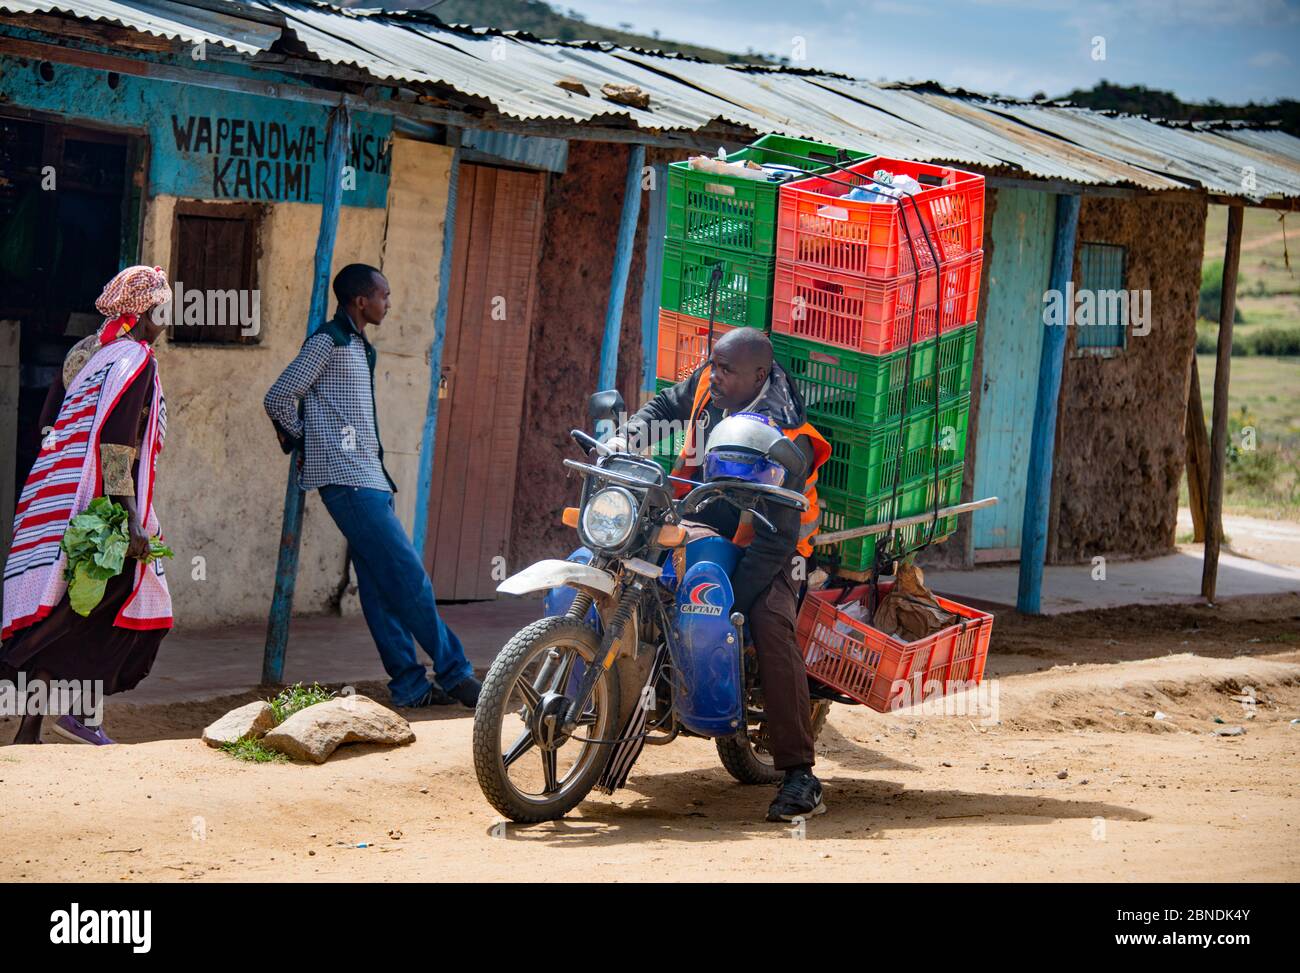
[222,476]
[573,280]
[1120,443]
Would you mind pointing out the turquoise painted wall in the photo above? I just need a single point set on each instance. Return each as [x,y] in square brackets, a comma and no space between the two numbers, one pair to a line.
[1019,270]
[210,144]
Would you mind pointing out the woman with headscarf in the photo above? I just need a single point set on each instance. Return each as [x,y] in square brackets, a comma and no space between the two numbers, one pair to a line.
[103,426]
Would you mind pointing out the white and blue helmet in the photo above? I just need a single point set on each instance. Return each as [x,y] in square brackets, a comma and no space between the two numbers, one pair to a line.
[738,448]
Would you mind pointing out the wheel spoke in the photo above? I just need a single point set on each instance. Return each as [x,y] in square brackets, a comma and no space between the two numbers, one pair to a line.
[517,749]
[563,671]
[588,718]
[548,771]
[526,689]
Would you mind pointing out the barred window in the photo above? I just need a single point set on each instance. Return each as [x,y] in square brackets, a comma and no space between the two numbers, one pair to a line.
[1102,274]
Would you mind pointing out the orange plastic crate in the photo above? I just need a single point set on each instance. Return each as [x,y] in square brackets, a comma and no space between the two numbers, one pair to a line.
[816,226]
[873,316]
[683,344]
[879,670]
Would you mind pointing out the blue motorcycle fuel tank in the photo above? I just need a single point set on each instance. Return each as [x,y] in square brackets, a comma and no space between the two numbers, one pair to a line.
[707,666]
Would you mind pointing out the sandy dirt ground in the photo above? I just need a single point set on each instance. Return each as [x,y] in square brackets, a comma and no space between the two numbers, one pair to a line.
[1273,541]
[1078,781]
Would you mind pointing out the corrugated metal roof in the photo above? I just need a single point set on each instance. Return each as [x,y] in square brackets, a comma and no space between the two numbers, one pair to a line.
[516,74]
[176,21]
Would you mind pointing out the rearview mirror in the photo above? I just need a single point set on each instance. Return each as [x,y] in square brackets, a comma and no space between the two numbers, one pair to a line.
[606,405]
[790,456]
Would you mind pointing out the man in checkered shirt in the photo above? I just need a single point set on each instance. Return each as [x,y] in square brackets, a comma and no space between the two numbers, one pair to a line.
[323,405]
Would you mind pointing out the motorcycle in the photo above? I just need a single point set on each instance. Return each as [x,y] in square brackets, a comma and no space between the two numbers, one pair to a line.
[637,646]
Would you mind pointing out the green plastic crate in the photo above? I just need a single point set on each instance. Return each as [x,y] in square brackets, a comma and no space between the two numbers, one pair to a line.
[744,296]
[867,390]
[863,461]
[738,213]
[842,511]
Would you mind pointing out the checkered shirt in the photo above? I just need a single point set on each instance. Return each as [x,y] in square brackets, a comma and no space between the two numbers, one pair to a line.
[335,387]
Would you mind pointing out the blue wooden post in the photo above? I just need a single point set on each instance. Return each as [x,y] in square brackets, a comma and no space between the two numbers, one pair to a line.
[622,264]
[428,438]
[286,569]
[1038,488]
[652,280]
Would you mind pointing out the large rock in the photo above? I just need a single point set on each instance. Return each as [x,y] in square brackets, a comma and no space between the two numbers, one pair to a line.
[252,720]
[317,731]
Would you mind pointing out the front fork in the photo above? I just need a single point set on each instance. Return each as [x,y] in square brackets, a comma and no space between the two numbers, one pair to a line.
[627,602]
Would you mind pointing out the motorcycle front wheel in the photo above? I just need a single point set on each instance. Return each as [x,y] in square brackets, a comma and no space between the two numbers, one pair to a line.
[746,757]
[528,769]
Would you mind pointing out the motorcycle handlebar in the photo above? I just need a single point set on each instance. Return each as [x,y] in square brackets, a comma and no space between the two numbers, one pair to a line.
[700,495]
[589,442]
[786,498]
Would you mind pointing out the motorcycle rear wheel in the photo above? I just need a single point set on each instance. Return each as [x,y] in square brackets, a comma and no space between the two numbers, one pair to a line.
[555,641]
[751,764]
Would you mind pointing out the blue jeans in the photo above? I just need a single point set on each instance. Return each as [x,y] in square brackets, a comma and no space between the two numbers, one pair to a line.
[396,594]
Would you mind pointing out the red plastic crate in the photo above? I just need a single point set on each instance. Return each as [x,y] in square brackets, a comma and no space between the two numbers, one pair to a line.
[815,226]
[683,344]
[879,670]
[873,316]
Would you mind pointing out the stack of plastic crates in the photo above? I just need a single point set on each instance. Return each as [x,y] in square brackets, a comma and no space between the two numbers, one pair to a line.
[729,223]
[874,312]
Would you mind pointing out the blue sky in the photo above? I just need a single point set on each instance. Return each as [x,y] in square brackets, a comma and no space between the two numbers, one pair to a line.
[1232,50]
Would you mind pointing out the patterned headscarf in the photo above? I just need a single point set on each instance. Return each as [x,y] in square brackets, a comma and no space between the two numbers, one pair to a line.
[128,295]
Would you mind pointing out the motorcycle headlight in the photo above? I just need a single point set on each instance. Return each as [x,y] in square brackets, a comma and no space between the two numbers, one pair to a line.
[609,517]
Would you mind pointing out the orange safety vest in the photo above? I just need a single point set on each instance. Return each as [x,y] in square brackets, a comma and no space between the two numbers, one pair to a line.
[809,520]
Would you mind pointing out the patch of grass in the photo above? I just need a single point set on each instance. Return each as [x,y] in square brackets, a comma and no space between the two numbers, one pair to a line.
[298,697]
[254,751]
[1264,413]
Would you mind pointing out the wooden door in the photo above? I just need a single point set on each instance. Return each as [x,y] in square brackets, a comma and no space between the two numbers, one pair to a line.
[484,368]
[1019,272]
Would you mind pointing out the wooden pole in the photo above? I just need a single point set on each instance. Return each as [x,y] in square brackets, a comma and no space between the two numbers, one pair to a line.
[286,569]
[428,439]
[823,540]
[1042,445]
[1198,455]
[622,265]
[1219,419]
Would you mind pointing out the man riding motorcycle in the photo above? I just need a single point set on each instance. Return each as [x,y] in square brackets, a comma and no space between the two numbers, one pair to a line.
[741,377]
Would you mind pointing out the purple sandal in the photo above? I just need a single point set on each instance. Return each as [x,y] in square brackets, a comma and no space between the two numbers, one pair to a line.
[76,731]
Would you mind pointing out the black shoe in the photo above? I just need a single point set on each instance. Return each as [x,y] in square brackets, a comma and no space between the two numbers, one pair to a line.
[466,691]
[800,796]
[433,696]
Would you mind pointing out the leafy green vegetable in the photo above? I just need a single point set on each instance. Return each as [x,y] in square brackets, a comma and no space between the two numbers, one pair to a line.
[96,542]
[84,591]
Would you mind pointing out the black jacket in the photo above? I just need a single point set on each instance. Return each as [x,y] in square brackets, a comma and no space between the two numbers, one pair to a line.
[769,552]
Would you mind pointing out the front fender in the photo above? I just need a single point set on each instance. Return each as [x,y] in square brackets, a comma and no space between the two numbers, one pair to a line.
[554,573]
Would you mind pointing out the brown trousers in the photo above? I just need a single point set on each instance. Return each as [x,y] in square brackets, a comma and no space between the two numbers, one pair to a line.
[781,671]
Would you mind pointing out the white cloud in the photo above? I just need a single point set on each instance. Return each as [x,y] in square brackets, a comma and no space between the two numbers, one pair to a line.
[1269,59]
